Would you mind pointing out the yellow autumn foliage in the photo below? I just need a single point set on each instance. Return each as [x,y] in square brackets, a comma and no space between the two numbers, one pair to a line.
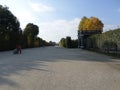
[91,23]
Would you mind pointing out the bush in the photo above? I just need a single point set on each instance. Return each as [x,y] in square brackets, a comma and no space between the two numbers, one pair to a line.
[68,43]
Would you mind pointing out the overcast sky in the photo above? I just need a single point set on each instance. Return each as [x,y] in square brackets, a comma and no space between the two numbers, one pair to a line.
[60,18]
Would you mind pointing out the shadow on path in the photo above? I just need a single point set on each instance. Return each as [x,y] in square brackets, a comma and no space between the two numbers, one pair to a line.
[34,59]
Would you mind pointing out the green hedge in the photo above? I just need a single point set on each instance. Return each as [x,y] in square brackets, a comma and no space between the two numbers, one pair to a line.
[109,41]
[68,42]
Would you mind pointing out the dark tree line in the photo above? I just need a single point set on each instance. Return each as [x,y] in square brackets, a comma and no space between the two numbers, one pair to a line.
[9,29]
[11,34]
[68,43]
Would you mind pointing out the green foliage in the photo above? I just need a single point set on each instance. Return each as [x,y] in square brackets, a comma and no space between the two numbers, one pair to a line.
[10,31]
[52,43]
[31,31]
[68,43]
[74,43]
[12,35]
[62,43]
[107,41]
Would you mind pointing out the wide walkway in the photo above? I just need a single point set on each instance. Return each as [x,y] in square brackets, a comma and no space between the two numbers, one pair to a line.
[54,68]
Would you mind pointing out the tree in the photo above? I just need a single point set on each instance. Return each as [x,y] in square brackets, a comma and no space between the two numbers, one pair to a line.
[62,42]
[37,42]
[92,23]
[52,43]
[68,42]
[106,42]
[82,23]
[9,29]
[74,43]
[31,31]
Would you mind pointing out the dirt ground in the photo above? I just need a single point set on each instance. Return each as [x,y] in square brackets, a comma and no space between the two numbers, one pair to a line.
[54,68]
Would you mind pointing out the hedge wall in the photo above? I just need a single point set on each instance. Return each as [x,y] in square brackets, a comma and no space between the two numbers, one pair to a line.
[108,41]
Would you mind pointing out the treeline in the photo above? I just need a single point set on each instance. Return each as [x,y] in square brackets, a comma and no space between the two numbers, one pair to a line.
[11,34]
[106,42]
[68,43]
[29,37]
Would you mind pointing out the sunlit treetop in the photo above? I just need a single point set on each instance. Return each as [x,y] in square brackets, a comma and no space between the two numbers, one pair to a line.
[91,23]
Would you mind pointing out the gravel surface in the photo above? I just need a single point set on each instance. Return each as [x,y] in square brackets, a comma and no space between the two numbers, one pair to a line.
[54,68]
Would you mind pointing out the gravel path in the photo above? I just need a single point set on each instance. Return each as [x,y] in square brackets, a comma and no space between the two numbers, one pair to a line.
[53,68]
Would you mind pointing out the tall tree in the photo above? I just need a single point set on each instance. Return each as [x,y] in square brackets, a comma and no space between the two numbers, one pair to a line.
[68,42]
[31,31]
[92,23]
[9,29]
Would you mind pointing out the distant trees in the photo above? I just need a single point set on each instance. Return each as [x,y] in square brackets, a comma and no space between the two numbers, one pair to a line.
[68,43]
[31,31]
[10,31]
[62,43]
[11,34]
[91,23]
[74,43]
[30,37]
[52,43]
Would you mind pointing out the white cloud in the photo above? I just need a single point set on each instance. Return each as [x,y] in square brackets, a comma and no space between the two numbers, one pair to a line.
[58,29]
[110,27]
[40,7]
[25,17]
[61,28]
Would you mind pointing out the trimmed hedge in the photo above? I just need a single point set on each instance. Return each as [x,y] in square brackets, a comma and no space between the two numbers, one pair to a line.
[108,41]
[68,42]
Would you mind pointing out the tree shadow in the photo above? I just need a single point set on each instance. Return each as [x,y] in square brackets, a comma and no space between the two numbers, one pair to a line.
[4,81]
[75,54]
[35,59]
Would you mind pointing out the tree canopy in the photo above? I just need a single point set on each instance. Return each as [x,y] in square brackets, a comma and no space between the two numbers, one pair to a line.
[11,34]
[92,23]
[9,29]
[31,30]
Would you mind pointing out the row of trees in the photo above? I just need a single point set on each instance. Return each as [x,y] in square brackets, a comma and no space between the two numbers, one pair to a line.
[68,43]
[87,26]
[108,41]
[9,29]
[11,34]
[90,33]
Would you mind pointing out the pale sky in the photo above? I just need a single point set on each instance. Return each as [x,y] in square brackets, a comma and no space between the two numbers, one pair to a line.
[60,18]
